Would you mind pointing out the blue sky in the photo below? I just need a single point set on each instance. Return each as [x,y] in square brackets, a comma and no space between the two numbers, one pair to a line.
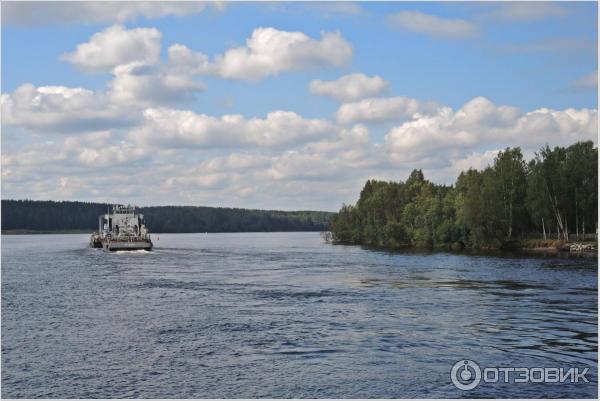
[461,80]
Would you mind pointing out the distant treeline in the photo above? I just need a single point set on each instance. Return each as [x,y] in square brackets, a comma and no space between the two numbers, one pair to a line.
[556,192]
[29,215]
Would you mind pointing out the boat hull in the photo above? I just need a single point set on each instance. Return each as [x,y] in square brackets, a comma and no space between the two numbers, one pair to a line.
[127,245]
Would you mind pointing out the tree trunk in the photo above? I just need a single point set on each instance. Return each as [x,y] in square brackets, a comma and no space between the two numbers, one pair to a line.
[554,203]
[560,229]
[576,221]
[583,222]
[543,229]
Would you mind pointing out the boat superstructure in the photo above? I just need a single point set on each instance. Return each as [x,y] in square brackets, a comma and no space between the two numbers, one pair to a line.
[120,230]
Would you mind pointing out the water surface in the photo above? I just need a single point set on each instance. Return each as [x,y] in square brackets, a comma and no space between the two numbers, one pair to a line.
[284,315]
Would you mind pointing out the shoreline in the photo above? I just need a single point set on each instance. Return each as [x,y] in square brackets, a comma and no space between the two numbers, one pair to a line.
[90,231]
[539,251]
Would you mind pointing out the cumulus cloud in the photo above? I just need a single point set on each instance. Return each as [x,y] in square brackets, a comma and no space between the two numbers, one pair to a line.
[378,110]
[110,156]
[141,80]
[335,158]
[478,160]
[295,165]
[234,162]
[132,56]
[95,150]
[479,123]
[96,12]
[281,159]
[152,86]
[184,61]
[270,51]
[62,109]
[222,171]
[350,87]
[418,22]
[139,77]
[168,127]
[117,46]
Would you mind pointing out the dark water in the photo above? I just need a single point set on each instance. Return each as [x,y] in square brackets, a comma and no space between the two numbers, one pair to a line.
[284,315]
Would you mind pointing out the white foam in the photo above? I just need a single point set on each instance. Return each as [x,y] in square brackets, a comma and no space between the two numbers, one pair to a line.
[134,252]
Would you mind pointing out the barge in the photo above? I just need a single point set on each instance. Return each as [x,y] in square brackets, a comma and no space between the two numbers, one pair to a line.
[121,230]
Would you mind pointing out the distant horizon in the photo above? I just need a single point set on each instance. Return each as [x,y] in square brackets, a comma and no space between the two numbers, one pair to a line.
[142,206]
[283,106]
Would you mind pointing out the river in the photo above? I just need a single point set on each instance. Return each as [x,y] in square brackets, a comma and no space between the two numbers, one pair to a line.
[285,315]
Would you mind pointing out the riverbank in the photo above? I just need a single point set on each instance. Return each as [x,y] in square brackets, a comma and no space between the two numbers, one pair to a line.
[556,246]
[587,249]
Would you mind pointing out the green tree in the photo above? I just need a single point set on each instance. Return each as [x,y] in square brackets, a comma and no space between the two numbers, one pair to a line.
[509,178]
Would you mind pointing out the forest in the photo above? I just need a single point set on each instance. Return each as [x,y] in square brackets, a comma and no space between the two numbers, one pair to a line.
[554,195]
[62,216]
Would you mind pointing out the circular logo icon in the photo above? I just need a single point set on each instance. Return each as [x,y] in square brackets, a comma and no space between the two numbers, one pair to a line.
[465,374]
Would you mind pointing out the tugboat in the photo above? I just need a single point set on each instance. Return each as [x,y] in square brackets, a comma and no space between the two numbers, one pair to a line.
[121,230]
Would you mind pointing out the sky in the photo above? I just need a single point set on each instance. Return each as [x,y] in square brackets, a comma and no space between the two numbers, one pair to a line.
[288,106]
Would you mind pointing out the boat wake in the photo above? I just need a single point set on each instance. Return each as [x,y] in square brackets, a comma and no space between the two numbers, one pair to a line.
[133,252]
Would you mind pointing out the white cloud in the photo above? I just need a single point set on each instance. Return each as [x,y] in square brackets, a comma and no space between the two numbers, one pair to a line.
[140,78]
[62,109]
[282,160]
[234,163]
[270,51]
[152,86]
[117,46]
[350,87]
[294,165]
[233,160]
[184,61]
[110,156]
[378,110]
[337,158]
[222,171]
[416,21]
[474,160]
[94,150]
[168,127]
[132,56]
[94,12]
[526,11]
[480,123]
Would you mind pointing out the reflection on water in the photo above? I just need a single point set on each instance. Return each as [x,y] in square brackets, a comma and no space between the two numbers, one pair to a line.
[284,315]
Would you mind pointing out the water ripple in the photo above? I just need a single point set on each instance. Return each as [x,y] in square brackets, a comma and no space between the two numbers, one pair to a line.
[283,315]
